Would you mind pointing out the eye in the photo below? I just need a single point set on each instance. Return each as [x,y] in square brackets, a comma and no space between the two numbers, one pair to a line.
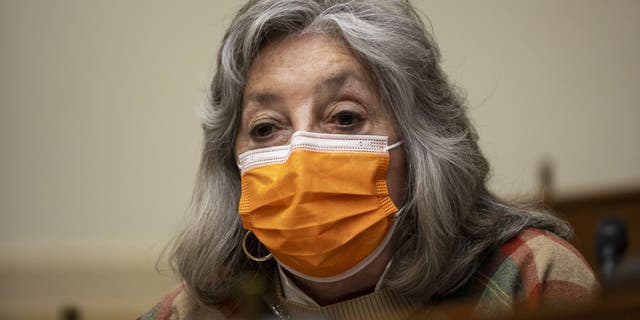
[262,130]
[347,119]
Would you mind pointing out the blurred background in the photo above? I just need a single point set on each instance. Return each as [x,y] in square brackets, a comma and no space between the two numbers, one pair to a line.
[100,140]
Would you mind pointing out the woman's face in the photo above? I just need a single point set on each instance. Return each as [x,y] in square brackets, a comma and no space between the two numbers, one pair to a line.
[313,83]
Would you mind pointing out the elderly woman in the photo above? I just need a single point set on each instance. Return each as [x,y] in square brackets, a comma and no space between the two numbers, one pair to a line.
[340,165]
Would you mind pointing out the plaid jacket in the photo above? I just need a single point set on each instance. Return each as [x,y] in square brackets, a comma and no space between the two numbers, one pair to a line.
[533,269]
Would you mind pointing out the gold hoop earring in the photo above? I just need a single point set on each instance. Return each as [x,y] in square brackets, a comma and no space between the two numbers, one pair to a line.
[246,252]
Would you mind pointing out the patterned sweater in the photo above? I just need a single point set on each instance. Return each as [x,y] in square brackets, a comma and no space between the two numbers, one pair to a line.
[533,269]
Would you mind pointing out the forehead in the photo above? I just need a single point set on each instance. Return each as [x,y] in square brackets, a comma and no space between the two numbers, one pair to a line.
[302,60]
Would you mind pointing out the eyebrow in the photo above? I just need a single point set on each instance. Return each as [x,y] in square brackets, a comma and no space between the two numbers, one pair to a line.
[337,81]
[263,97]
[332,83]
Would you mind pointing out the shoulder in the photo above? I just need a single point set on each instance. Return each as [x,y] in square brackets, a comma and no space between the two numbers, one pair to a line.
[178,305]
[533,268]
[548,266]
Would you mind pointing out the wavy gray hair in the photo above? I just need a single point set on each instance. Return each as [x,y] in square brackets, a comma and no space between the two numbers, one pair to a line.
[452,219]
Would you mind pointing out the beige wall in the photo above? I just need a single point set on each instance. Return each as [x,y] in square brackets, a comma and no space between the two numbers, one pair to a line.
[549,79]
[99,138]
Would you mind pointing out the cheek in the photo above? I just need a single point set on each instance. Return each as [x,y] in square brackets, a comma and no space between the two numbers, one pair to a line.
[240,146]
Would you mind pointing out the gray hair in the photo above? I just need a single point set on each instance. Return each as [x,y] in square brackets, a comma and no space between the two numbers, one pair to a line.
[452,219]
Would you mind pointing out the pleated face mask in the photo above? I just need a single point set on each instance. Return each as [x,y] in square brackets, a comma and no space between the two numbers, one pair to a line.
[319,204]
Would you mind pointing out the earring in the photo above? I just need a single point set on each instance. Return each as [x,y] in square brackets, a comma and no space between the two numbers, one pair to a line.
[246,252]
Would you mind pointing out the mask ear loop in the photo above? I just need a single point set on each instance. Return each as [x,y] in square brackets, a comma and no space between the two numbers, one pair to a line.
[249,255]
[393,146]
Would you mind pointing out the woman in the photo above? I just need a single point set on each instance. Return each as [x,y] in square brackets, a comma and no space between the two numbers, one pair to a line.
[340,165]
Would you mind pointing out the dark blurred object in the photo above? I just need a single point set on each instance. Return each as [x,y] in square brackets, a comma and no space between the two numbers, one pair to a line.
[613,305]
[618,270]
[610,304]
[546,184]
[69,313]
[611,245]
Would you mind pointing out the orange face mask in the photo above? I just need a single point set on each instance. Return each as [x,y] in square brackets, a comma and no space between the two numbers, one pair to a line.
[320,204]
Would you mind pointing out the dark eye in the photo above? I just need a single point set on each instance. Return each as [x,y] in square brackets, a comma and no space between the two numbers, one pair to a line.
[347,118]
[262,130]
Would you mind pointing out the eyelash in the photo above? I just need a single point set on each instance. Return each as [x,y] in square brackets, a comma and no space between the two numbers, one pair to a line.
[355,117]
[254,132]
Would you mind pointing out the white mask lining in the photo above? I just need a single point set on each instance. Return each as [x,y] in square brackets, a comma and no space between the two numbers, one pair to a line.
[320,142]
